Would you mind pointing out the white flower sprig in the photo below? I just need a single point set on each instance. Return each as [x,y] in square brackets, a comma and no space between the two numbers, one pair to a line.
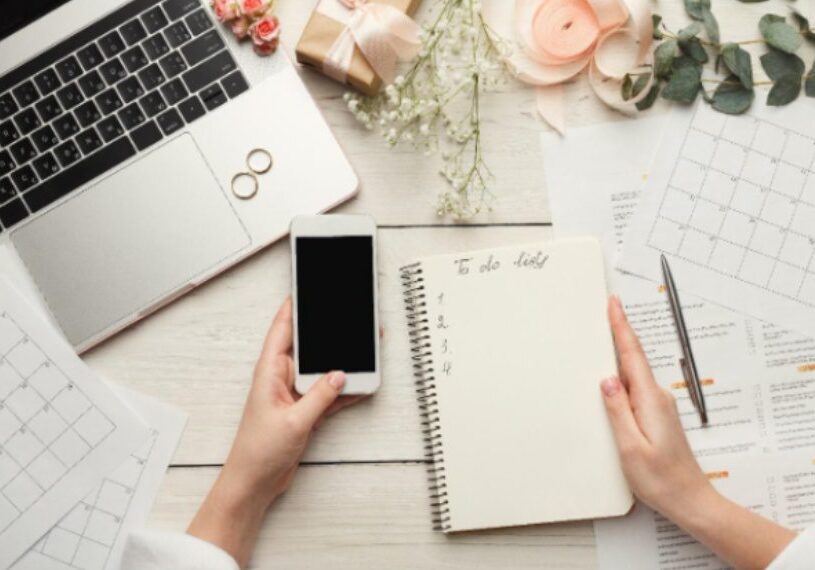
[436,103]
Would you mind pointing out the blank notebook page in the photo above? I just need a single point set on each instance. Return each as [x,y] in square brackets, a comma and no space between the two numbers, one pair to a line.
[516,341]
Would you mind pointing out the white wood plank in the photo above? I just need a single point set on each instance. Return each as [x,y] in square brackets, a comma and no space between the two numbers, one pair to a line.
[199,352]
[374,516]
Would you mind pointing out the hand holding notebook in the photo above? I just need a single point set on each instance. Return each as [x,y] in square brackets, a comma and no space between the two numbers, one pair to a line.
[509,346]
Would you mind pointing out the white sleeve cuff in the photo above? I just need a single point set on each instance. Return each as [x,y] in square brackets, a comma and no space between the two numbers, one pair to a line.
[151,550]
[799,554]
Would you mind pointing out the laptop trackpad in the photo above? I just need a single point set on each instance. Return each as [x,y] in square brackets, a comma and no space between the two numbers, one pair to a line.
[130,240]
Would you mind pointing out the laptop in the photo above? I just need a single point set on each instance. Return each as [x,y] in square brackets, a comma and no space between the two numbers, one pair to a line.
[122,125]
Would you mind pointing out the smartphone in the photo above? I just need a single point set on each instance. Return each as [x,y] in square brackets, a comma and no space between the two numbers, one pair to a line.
[334,285]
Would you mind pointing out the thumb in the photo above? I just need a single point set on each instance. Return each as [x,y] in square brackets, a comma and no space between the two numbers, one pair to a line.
[627,432]
[320,396]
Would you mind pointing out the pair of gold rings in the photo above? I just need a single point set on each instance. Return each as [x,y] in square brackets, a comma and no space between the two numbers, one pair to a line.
[245,184]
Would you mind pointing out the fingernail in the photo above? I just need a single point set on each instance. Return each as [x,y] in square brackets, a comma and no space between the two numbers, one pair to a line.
[337,380]
[610,385]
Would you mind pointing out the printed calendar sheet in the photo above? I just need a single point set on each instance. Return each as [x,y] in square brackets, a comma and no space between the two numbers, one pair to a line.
[731,202]
[61,429]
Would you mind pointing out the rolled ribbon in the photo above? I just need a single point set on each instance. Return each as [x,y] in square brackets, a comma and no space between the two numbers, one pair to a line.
[383,34]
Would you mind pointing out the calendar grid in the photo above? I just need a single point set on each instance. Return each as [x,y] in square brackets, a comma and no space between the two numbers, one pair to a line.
[47,423]
[740,201]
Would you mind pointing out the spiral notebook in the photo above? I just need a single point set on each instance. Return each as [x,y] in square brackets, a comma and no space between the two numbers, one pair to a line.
[509,346]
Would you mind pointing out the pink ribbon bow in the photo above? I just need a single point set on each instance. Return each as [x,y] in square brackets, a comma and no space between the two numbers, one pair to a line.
[383,34]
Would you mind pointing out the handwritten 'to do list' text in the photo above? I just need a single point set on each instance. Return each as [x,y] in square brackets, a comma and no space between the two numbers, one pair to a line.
[526,260]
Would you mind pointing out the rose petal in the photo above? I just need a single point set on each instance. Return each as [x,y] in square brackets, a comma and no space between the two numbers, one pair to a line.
[550,106]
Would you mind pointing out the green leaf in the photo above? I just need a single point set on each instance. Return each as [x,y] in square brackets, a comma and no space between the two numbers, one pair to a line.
[648,101]
[803,26]
[739,63]
[694,8]
[689,32]
[627,87]
[640,84]
[778,64]
[664,56]
[785,90]
[684,84]
[732,97]
[711,25]
[779,34]
[656,20]
[809,82]
[693,49]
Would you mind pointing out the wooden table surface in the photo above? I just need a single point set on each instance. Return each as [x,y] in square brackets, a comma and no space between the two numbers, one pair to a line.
[360,500]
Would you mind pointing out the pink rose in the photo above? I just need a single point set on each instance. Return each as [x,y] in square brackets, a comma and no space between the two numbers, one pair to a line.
[225,10]
[240,27]
[253,8]
[265,34]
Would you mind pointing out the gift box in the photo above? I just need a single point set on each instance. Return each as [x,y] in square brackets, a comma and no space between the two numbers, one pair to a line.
[323,38]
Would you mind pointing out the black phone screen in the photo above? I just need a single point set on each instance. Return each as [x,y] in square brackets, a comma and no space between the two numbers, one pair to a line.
[335,304]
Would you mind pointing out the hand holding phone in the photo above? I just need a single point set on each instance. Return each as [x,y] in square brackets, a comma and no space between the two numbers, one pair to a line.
[334,288]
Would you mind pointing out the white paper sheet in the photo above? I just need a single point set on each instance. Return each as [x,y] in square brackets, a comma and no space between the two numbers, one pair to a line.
[731,203]
[759,379]
[61,429]
[93,534]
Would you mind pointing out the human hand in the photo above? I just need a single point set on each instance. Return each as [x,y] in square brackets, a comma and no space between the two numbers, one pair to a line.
[656,458]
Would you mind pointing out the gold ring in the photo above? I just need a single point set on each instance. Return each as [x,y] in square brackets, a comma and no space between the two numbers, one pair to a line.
[262,152]
[249,194]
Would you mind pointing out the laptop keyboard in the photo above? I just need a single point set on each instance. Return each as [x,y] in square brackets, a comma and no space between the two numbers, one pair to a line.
[128,80]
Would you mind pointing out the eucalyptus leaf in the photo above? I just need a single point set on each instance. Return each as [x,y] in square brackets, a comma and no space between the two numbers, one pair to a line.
[803,26]
[711,25]
[684,84]
[656,20]
[688,32]
[779,34]
[627,87]
[664,56]
[809,82]
[739,63]
[648,101]
[732,97]
[640,84]
[785,90]
[694,8]
[778,64]
[693,48]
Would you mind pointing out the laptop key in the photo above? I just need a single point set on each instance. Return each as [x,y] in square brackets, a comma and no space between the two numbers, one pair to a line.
[198,22]
[110,128]
[234,84]
[109,101]
[209,71]
[13,213]
[151,77]
[177,34]
[155,46]
[133,32]
[131,116]
[173,64]
[152,103]
[66,126]
[202,47]
[213,96]
[69,69]
[91,83]
[6,163]
[154,20]
[47,81]
[67,153]
[7,191]
[27,120]
[130,89]
[45,138]
[8,133]
[87,113]
[88,141]
[112,44]
[8,106]
[174,91]
[90,56]
[70,96]
[134,59]
[191,108]
[46,165]
[48,108]
[113,71]
[170,121]
[177,8]
[23,151]
[26,94]
[24,178]
[146,135]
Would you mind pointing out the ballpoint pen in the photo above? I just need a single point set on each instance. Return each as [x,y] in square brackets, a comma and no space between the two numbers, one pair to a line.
[687,362]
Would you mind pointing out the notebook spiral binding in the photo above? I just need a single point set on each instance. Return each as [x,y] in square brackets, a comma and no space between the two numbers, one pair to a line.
[418,331]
